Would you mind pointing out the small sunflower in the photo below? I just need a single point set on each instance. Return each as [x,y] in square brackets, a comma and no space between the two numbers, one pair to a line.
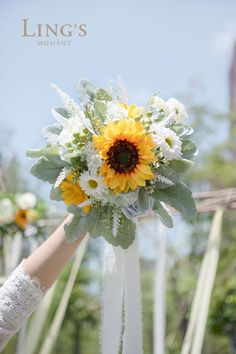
[126,150]
[21,218]
[72,192]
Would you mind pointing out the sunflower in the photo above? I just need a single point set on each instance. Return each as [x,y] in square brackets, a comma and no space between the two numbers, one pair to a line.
[21,218]
[72,192]
[126,150]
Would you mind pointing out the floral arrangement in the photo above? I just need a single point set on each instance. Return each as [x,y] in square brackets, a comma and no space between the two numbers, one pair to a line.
[111,162]
[21,213]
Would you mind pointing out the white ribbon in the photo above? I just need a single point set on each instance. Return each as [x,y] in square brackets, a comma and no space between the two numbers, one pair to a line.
[122,285]
[112,299]
[159,292]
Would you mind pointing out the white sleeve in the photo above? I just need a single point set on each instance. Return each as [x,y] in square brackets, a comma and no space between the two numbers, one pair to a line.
[19,296]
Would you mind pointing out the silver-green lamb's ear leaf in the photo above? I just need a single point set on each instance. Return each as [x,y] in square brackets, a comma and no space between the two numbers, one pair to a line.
[95,226]
[47,151]
[75,210]
[76,228]
[55,194]
[100,109]
[189,149]
[48,168]
[51,133]
[179,197]
[86,91]
[63,112]
[169,173]
[181,166]
[183,131]
[126,232]
[143,199]
[163,213]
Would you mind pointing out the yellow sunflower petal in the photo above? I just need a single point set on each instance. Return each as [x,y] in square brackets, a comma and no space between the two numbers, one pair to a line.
[123,146]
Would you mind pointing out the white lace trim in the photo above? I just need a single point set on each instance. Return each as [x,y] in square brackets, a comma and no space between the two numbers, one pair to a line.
[34,280]
[19,296]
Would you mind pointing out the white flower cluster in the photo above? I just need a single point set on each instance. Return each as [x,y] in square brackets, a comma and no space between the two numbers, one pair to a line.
[167,141]
[173,110]
[8,208]
[7,211]
[90,181]
[166,113]
[75,124]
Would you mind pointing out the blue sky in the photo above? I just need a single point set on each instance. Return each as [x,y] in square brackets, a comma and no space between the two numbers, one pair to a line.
[163,46]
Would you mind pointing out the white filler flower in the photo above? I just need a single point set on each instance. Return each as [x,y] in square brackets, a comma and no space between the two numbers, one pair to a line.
[176,107]
[92,184]
[71,126]
[7,211]
[26,200]
[115,111]
[92,157]
[158,104]
[168,142]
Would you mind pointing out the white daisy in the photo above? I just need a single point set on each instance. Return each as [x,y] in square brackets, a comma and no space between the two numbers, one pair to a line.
[176,107]
[26,200]
[159,105]
[115,111]
[7,211]
[92,184]
[168,142]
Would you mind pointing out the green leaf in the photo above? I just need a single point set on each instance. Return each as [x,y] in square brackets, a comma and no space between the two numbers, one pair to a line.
[86,91]
[163,213]
[183,131]
[55,194]
[99,222]
[102,95]
[126,233]
[143,199]
[51,133]
[76,228]
[95,227]
[180,166]
[47,151]
[189,149]
[100,109]
[63,112]
[179,197]
[168,172]
[48,168]
[173,172]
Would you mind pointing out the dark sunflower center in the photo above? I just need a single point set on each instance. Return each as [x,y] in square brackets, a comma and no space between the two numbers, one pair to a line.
[123,156]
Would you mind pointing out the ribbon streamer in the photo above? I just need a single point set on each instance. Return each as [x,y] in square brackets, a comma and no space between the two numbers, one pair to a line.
[159,291]
[112,299]
[132,341]
[122,286]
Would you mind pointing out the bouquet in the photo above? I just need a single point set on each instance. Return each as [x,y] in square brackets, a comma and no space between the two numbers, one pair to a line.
[21,213]
[110,161]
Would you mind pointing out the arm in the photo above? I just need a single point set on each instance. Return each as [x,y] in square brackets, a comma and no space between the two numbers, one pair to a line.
[47,261]
[24,289]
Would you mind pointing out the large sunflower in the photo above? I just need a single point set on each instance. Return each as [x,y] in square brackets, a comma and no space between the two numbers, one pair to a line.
[72,192]
[126,149]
